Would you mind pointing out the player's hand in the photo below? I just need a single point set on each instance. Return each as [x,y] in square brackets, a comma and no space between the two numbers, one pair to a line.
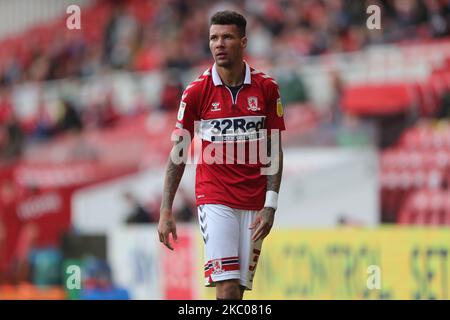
[166,226]
[263,223]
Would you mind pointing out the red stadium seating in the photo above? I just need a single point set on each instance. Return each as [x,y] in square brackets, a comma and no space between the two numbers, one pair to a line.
[426,207]
[419,161]
[379,99]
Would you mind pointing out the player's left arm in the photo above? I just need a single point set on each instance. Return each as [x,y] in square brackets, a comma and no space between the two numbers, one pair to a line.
[274,180]
[275,124]
[265,217]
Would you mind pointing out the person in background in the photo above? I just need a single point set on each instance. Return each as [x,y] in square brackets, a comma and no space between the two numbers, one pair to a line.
[137,213]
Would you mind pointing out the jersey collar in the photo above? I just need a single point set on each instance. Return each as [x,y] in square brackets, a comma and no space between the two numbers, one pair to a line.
[218,82]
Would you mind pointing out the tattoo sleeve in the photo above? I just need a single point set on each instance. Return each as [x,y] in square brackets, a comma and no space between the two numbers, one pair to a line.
[174,173]
[274,181]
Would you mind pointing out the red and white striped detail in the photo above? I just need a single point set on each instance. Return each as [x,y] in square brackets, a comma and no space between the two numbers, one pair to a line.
[219,266]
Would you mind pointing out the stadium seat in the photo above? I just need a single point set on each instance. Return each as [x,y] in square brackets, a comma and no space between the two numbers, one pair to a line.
[379,99]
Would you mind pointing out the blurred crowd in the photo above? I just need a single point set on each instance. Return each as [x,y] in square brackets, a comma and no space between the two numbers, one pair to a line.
[166,35]
[142,35]
[67,117]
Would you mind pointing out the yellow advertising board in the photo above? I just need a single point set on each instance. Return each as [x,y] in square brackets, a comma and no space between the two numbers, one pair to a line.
[384,263]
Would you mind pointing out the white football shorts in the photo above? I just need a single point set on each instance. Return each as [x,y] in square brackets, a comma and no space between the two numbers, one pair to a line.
[229,252]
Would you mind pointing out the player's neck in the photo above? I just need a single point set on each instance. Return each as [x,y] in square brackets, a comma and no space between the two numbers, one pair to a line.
[233,76]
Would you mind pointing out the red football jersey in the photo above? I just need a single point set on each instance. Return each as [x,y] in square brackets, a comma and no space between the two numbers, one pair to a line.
[227,121]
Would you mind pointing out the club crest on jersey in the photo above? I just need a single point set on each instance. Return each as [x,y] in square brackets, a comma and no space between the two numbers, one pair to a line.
[217,266]
[181,110]
[215,106]
[253,103]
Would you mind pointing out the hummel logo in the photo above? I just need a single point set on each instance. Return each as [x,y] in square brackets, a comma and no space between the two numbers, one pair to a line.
[215,106]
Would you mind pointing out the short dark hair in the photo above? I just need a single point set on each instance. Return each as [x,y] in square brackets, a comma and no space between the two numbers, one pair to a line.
[230,17]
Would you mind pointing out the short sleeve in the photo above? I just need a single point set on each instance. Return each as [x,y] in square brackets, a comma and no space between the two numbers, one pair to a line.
[275,113]
[187,112]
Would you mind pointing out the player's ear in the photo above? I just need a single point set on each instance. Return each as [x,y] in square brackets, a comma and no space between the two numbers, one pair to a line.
[244,42]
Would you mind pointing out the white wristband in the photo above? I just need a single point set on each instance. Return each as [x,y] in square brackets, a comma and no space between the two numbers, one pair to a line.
[271,199]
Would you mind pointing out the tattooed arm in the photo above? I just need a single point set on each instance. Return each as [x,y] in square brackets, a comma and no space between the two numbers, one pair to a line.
[274,180]
[265,217]
[166,225]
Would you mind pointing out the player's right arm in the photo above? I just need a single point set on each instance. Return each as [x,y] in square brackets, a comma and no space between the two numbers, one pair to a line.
[166,225]
[175,169]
